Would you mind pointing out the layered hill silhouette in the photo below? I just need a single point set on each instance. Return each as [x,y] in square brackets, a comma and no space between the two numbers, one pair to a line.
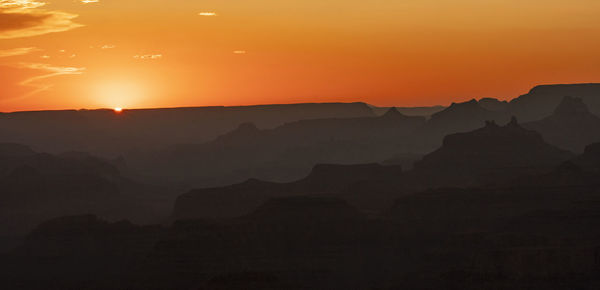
[37,186]
[459,117]
[108,134]
[490,155]
[185,146]
[285,153]
[296,197]
[541,101]
[239,199]
[516,236]
[526,232]
[288,152]
[410,111]
[572,126]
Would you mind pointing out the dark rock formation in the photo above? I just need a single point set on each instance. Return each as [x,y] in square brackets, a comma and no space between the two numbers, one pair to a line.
[285,153]
[104,133]
[489,154]
[77,252]
[38,186]
[571,126]
[459,117]
[239,199]
[541,101]
[410,111]
[494,105]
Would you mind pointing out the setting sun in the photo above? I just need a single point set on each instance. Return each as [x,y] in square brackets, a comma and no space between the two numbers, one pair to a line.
[439,144]
[98,53]
[118,93]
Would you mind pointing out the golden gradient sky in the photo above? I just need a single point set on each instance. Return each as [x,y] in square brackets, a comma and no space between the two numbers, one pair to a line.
[133,53]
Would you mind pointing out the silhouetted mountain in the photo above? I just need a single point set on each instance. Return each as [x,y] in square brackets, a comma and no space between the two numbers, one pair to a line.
[410,111]
[541,101]
[494,207]
[488,155]
[108,134]
[284,153]
[494,105]
[38,186]
[571,126]
[459,117]
[239,199]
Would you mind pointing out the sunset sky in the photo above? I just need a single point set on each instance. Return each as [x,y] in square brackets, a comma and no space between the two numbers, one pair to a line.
[148,53]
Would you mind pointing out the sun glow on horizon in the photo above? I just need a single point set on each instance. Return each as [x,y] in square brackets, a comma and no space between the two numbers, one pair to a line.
[149,54]
[118,94]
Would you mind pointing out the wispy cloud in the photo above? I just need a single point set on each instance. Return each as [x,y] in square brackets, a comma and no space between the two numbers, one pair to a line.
[26,18]
[239,52]
[89,1]
[207,14]
[17,51]
[20,4]
[50,71]
[108,46]
[148,56]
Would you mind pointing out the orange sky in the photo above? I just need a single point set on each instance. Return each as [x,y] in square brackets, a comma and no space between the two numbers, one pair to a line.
[133,53]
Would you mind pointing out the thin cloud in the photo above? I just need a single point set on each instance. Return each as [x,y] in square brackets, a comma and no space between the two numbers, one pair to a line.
[26,18]
[148,56]
[207,14]
[50,71]
[239,52]
[89,1]
[17,51]
[20,4]
[108,46]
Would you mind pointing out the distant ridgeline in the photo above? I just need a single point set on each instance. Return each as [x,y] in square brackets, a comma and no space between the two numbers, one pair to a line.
[482,195]
[287,152]
[214,146]
[105,133]
[102,132]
